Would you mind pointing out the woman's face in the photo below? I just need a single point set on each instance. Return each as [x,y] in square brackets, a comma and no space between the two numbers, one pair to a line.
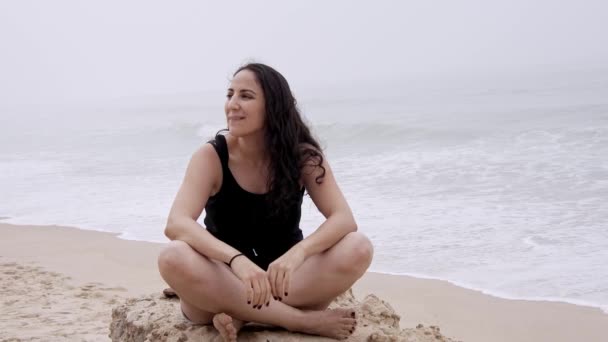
[245,105]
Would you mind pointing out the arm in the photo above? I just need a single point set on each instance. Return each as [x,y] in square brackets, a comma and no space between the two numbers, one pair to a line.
[331,203]
[339,221]
[203,175]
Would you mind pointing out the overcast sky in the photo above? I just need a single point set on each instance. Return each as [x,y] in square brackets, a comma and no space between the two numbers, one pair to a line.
[55,51]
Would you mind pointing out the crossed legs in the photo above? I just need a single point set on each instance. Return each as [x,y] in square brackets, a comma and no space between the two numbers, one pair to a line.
[207,287]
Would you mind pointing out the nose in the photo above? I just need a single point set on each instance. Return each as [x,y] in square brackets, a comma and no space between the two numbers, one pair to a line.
[233,103]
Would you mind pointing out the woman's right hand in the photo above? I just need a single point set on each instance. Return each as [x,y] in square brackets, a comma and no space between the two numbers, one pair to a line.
[255,280]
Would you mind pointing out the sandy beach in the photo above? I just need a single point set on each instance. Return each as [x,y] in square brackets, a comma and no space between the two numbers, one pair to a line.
[61,283]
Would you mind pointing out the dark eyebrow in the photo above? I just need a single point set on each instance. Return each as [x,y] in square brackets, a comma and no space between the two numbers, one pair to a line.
[243,91]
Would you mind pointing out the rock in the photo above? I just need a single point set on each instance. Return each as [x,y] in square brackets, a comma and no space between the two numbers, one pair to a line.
[154,318]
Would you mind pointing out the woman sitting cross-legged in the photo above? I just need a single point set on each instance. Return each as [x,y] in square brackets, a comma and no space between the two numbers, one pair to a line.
[251,263]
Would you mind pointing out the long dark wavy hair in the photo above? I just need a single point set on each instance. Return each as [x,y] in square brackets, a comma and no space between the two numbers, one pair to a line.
[288,140]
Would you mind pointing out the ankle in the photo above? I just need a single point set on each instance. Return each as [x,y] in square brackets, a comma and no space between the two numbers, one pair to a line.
[300,321]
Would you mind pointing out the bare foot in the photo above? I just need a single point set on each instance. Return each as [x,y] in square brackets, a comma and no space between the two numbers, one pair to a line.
[227,326]
[335,323]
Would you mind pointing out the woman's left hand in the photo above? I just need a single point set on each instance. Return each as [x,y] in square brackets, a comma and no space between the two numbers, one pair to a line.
[281,270]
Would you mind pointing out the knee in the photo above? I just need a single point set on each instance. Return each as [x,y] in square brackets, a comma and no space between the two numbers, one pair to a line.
[359,253]
[173,258]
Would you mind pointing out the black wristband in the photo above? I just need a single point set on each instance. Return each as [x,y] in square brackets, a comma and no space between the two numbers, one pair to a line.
[234,257]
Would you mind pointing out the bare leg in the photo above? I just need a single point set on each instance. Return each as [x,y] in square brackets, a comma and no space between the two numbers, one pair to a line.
[201,283]
[325,276]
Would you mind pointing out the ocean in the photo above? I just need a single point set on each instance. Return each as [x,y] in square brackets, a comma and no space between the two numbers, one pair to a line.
[498,184]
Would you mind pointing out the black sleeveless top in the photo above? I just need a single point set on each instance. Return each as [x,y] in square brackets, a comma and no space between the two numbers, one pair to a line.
[242,219]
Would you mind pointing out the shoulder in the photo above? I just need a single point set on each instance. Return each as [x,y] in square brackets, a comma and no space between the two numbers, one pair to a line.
[205,164]
[313,163]
[308,151]
[206,153]
[310,154]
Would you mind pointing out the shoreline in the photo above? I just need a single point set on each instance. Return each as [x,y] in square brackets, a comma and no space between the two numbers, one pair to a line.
[120,268]
[602,307]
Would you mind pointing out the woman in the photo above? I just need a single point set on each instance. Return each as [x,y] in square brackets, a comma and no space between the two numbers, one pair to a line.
[251,263]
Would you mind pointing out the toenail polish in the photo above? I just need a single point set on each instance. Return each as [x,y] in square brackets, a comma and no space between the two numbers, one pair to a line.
[268,304]
[352,314]
[248,302]
[286,294]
